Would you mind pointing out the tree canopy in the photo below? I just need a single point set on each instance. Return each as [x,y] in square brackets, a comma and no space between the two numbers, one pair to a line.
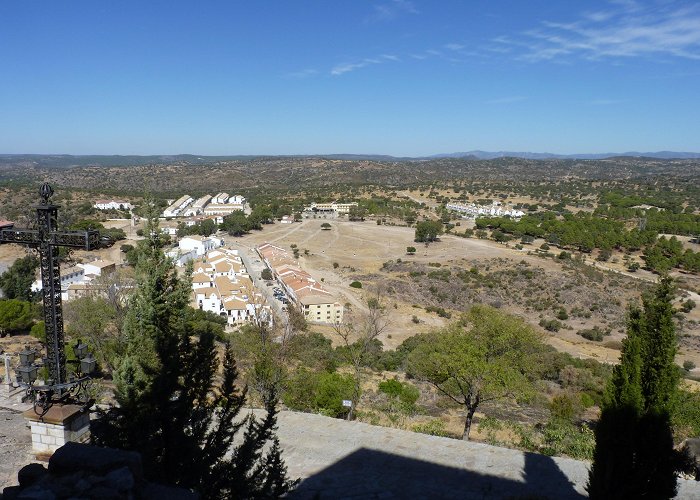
[17,281]
[488,355]
[428,230]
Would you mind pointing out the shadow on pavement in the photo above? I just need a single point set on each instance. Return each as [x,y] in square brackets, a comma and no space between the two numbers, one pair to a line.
[375,474]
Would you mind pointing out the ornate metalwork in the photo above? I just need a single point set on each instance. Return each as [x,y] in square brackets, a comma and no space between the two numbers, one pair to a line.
[47,239]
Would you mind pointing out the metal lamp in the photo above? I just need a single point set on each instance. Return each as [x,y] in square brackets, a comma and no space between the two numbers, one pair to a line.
[26,357]
[27,373]
[87,364]
[80,349]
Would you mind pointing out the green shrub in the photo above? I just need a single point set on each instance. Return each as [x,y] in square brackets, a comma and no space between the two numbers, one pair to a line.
[551,325]
[688,306]
[356,284]
[595,334]
[435,427]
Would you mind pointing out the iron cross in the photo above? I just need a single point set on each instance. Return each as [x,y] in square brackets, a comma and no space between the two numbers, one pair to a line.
[47,239]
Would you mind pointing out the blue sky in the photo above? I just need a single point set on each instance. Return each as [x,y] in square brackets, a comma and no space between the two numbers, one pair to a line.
[393,77]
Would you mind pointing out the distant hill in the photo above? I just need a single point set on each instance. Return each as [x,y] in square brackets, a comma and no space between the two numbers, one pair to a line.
[490,155]
[68,161]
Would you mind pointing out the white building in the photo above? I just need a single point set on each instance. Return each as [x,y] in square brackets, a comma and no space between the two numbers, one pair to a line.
[225,209]
[199,244]
[316,303]
[178,206]
[197,208]
[220,198]
[78,276]
[333,208]
[113,205]
[99,267]
[493,210]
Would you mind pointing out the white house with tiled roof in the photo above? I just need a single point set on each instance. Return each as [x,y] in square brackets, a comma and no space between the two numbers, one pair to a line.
[221,285]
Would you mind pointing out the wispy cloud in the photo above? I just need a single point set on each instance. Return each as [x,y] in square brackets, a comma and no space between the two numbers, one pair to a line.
[304,73]
[506,100]
[626,30]
[386,11]
[430,53]
[347,67]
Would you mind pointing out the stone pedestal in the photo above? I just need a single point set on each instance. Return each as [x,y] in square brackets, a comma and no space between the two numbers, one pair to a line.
[61,424]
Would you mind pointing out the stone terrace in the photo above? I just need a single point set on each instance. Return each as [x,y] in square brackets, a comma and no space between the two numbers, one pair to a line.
[339,459]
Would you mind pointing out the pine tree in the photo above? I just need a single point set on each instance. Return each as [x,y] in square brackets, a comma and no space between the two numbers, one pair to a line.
[634,455]
[170,407]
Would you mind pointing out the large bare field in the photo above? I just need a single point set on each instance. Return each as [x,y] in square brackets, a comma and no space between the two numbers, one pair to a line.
[361,249]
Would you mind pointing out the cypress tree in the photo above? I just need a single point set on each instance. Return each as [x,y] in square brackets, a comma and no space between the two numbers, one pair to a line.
[634,455]
[170,407]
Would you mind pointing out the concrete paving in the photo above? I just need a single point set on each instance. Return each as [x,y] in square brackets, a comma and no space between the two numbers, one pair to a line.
[336,459]
[15,446]
[339,459]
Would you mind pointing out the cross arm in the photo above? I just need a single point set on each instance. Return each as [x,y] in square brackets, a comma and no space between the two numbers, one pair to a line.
[22,236]
[87,240]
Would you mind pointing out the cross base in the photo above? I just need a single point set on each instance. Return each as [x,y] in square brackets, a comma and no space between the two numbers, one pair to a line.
[60,424]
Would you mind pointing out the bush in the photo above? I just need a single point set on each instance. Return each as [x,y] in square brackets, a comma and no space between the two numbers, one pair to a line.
[565,406]
[551,325]
[266,274]
[336,265]
[595,334]
[356,284]
[404,394]
[688,306]
[434,428]
[410,250]
[604,255]
[439,311]
[688,365]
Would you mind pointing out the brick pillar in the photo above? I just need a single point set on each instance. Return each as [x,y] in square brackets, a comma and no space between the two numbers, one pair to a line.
[61,424]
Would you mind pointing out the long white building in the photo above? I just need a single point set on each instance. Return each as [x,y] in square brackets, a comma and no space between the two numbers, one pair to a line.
[178,206]
[493,210]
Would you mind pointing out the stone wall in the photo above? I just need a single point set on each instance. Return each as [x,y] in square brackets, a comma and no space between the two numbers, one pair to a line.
[84,471]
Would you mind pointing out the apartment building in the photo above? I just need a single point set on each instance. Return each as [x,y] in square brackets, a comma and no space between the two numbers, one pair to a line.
[316,303]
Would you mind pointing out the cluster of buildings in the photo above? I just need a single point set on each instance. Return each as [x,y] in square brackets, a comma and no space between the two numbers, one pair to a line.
[77,280]
[315,302]
[193,247]
[494,210]
[112,205]
[221,285]
[219,204]
[332,209]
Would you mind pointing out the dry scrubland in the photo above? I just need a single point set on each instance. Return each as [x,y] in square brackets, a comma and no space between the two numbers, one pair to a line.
[528,285]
